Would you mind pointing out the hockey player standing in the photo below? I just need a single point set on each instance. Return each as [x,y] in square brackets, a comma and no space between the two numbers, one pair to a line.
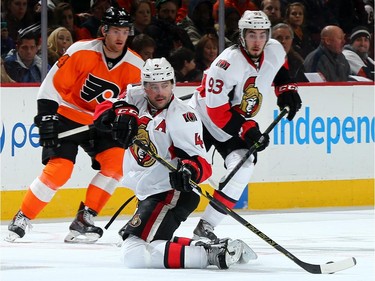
[228,100]
[172,130]
[89,73]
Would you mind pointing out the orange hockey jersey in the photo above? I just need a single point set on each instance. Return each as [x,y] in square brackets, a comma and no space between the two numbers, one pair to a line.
[81,79]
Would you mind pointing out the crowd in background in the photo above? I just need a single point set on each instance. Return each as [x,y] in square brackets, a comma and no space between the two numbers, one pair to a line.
[330,37]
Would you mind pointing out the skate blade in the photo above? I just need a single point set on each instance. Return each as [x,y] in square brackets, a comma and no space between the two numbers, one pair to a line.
[247,254]
[234,252]
[76,237]
[11,237]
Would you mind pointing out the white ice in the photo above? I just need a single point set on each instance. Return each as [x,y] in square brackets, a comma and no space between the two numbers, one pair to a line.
[314,236]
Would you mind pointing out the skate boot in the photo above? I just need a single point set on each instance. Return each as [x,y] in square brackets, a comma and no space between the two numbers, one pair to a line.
[224,254]
[82,229]
[204,231]
[17,227]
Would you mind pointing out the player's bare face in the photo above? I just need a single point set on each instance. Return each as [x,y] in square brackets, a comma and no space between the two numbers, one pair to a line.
[115,40]
[255,41]
[159,93]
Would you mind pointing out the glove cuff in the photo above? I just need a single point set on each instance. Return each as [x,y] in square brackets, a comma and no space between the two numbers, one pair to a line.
[193,167]
[286,88]
[246,127]
[122,108]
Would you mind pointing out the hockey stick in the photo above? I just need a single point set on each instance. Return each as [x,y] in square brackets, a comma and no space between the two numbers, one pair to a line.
[252,149]
[118,212]
[330,267]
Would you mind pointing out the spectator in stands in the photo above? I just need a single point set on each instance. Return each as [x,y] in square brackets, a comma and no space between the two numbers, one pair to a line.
[23,64]
[199,20]
[144,45]
[272,8]
[141,14]
[295,17]
[58,42]
[206,51]
[164,30]
[356,53]
[93,23]
[184,66]
[283,33]
[231,19]
[64,16]
[4,75]
[328,59]
[7,43]
[240,5]
[17,16]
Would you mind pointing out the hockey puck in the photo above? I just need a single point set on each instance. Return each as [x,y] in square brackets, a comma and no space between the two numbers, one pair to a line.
[328,263]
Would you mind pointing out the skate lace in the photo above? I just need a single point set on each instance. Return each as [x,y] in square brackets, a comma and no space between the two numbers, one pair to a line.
[22,221]
[88,217]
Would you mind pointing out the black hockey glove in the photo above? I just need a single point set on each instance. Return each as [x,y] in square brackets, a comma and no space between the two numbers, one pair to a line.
[48,132]
[252,136]
[186,170]
[125,125]
[287,96]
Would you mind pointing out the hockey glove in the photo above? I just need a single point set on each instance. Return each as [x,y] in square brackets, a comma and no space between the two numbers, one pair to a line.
[125,126]
[48,132]
[252,136]
[287,96]
[186,170]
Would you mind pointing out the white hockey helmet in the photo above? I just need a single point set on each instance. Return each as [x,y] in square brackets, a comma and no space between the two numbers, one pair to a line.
[253,20]
[157,70]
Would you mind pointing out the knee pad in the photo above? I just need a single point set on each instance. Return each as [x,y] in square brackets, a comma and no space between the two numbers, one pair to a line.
[243,175]
[111,162]
[57,172]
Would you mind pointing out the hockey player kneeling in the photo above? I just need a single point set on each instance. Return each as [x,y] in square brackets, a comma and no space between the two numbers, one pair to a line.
[172,130]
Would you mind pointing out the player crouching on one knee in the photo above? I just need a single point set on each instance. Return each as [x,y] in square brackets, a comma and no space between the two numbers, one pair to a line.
[172,130]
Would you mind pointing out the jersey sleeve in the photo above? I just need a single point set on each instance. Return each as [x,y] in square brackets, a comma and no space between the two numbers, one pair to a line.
[220,81]
[187,137]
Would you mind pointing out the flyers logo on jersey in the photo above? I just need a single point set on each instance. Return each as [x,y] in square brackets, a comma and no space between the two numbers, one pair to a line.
[223,64]
[189,117]
[251,99]
[98,89]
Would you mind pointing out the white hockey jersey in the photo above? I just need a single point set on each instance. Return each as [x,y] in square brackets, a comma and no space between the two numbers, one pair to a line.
[178,126]
[234,82]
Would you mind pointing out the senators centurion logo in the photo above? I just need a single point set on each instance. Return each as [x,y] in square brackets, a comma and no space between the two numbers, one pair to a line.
[142,158]
[136,221]
[251,99]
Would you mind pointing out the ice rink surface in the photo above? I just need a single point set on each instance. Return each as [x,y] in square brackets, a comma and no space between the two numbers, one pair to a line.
[314,236]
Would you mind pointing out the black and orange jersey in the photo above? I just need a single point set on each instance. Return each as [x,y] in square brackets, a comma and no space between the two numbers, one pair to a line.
[81,79]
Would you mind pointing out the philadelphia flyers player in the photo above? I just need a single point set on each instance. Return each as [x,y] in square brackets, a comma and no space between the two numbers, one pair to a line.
[89,73]
[174,131]
[228,100]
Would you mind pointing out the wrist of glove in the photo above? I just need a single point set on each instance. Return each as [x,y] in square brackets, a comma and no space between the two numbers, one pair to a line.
[48,130]
[287,96]
[252,136]
[180,179]
[125,124]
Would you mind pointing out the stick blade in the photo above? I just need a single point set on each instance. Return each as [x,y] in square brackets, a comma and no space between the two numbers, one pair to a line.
[338,266]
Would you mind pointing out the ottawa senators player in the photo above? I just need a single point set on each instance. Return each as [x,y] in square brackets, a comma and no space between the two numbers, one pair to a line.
[229,99]
[172,130]
[89,73]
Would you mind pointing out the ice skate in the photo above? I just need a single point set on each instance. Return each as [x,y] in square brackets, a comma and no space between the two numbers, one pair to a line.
[224,254]
[17,227]
[82,229]
[204,231]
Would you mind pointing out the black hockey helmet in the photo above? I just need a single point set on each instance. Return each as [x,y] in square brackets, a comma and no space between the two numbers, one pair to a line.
[117,17]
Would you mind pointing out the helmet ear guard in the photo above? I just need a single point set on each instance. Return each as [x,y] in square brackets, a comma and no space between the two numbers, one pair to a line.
[253,20]
[157,70]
